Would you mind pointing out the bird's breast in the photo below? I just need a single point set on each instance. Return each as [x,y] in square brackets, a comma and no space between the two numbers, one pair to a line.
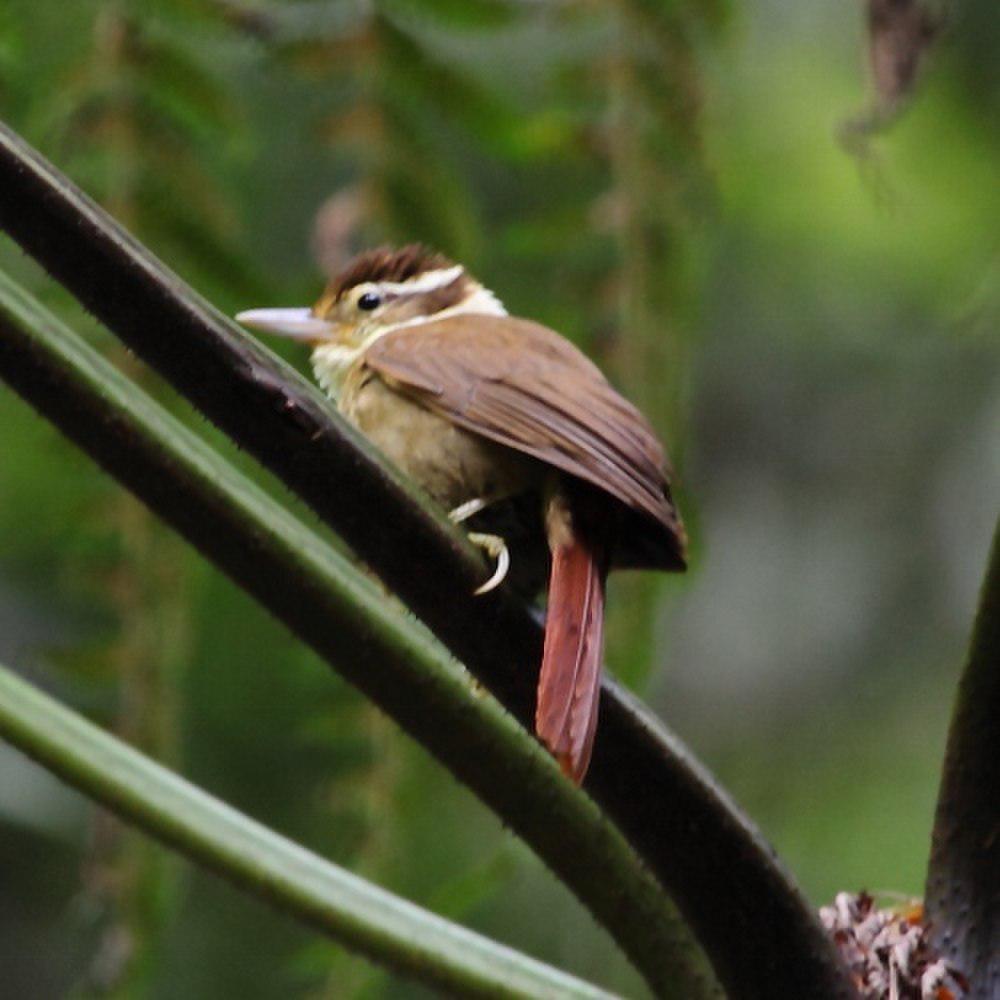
[452,464]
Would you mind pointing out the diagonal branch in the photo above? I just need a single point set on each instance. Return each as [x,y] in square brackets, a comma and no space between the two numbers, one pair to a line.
[387,929]
[963,878]
[747,911]
[343,616]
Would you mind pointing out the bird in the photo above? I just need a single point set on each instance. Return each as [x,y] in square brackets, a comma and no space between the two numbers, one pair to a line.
[485,410]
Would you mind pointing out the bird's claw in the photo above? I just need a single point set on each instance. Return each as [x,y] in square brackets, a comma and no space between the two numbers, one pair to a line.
[496,547]
[493,545]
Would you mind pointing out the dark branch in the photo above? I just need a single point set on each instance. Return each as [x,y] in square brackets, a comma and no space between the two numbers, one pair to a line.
[761,935]
[345,617]
[963,878]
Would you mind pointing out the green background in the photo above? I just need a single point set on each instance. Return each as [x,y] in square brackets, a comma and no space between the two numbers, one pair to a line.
[812,330]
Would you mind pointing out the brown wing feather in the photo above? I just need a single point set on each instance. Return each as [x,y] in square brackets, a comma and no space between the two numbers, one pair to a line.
[523,385]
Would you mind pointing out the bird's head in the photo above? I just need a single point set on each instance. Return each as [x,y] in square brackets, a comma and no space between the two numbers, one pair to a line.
[379,291]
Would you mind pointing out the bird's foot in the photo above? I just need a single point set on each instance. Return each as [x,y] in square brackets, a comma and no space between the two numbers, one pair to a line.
[493,545]
[496,547]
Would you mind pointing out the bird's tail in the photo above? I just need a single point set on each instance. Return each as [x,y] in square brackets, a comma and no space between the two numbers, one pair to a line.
[569,684]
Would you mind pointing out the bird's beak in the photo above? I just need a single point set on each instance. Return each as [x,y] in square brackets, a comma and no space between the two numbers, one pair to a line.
[297,324]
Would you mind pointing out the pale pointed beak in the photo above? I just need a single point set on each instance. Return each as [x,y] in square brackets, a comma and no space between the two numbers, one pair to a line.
[297,324]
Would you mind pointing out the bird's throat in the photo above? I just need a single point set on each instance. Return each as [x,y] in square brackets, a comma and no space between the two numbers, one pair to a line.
[332,362]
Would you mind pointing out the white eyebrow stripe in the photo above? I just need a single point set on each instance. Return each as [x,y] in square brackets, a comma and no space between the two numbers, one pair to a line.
[427,282]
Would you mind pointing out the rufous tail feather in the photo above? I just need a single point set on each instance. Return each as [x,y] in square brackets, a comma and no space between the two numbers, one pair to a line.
[569,684]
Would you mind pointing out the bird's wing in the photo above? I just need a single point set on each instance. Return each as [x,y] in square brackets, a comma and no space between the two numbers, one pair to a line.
[523,385]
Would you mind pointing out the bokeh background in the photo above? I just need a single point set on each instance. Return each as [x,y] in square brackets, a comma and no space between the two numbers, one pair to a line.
[688,190]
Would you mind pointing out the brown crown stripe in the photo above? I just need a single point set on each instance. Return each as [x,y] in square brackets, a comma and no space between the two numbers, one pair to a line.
[387,264]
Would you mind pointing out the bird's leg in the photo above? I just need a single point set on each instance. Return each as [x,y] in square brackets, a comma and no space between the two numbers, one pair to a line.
[493,545]
[466,510]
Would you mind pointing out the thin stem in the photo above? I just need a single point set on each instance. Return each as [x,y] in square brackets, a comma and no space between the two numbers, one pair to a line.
[349,621]
[387,929]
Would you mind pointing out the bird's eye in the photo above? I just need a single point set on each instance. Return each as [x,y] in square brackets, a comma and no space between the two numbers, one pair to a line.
[369,301]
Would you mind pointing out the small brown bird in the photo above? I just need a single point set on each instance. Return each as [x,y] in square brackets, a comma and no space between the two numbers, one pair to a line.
[483,409]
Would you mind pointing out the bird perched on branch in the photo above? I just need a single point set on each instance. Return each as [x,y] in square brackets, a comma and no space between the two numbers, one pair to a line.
[482,409]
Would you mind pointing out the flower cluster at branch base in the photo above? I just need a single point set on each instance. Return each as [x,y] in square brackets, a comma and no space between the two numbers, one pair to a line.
[888,952]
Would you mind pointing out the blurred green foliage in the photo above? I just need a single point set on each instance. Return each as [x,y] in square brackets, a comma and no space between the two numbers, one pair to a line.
[815,337]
